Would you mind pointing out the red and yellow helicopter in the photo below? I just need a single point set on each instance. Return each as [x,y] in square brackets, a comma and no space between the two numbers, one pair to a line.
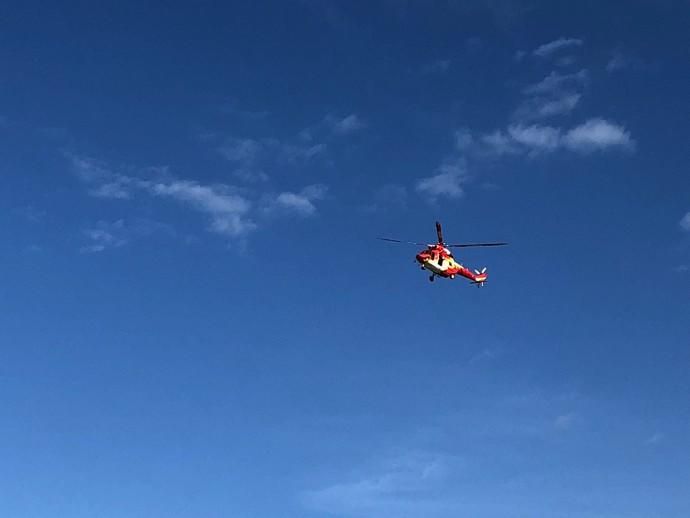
[438,259]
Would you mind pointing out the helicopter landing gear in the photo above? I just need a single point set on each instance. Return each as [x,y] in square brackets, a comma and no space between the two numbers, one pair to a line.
[432,277]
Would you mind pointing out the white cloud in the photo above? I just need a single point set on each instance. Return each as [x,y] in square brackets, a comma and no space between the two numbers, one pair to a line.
[408,485]
[535,138]
[565,422]
[253,157]
[301,203]
[346,125]
[548,49]
[597,134]
[464,140]
[617,62]
[227,209]
[293,153]
[89,169]
[448,182]
[231,211]
[566,61]
[556,94]
[105,235]
[620,61]
[555,82]
[485,355]
[560,106]
[655,438]
[542,108]
[388,197]
[243,150]
[685,222]
[497,143]
[116,189]
[107,184]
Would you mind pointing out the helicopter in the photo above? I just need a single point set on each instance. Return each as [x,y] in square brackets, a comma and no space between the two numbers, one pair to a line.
[438,259]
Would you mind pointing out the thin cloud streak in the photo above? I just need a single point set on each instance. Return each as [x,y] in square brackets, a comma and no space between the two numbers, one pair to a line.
[548,49]
[407,485]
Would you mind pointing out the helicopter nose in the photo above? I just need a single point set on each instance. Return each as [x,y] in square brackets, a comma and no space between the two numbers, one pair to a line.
[421,258]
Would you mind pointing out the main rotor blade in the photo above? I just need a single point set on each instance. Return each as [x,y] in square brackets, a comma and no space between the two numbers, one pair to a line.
[399,241]
[470,245]
[439,232]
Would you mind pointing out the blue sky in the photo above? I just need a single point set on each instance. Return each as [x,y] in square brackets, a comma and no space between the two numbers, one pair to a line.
[197,319]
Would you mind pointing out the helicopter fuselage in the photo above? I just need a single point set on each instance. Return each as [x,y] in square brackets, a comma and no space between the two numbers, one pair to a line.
[438,260]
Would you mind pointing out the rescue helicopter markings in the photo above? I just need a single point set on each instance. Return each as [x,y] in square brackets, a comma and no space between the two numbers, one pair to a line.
[438,259]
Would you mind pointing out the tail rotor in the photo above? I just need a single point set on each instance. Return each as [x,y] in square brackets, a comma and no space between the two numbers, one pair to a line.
[480,277]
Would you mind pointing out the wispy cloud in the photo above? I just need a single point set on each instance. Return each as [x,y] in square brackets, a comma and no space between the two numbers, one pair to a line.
[438,66]
[620,61]
[255,158]
[31,213]
[105,235]
[497,143]
[104,182]
[345,125]
[227,209]
[485,355]
[616,63]
[301,203]
[447,182]
[252,157]
[407,485]
[389,196]
[556,94]
[534,139]
[685,222]
[243,150]
[655,439]
[564,422]
[550,48]
[234,109]
[597,134]
[557,82]
[545,107]
[232,211]
[553,96]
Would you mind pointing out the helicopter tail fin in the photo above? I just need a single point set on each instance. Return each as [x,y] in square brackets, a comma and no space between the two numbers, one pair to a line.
[480,276]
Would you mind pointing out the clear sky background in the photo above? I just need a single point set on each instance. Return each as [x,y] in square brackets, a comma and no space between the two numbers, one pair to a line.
[196,319]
